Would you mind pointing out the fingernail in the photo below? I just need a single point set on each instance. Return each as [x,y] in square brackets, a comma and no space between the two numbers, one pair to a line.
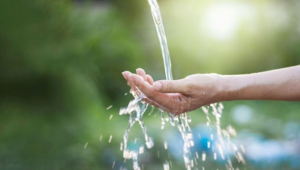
[124,75]
[138,71]
[157,86]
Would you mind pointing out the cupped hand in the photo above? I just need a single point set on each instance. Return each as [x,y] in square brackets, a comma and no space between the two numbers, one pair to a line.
[177,96]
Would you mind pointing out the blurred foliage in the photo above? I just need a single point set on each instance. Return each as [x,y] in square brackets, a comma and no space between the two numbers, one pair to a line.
[58,63]
[46,40]
[61,64]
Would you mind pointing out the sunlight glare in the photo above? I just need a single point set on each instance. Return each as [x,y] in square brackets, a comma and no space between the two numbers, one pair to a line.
[222,20]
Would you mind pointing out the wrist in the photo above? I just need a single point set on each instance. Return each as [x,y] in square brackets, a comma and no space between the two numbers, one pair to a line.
[219,89]
[226,88]
[234,87]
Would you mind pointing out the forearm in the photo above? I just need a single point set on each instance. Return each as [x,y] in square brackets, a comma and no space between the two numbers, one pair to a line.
[281,84]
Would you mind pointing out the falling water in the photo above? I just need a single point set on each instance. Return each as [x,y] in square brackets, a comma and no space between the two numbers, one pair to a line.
[162,38]
[137,108]
[182,121]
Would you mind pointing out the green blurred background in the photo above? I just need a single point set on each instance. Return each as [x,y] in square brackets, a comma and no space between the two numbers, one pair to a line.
[61,64]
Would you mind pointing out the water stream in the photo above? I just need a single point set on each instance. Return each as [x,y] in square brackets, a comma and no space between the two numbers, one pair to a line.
[136,109]
[162,38]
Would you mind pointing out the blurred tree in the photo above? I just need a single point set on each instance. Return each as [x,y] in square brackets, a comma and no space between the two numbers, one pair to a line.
[60,66]
[44,41]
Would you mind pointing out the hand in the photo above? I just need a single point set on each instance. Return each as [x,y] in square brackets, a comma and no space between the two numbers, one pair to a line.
[177,96]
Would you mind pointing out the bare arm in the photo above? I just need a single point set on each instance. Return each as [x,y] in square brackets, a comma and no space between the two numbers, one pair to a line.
[194,91]
[281,84]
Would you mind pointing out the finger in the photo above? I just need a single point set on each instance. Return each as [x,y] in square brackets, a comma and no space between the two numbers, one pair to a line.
[170,86]
[144,87]
[131,83]
[150,79]
[157,97]
[172,103]
[142,73]
[126,75]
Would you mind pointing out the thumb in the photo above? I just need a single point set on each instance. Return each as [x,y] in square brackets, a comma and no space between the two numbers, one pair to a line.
[170,86]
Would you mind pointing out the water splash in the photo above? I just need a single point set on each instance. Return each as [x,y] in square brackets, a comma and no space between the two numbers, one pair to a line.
[135,109]
[223,147]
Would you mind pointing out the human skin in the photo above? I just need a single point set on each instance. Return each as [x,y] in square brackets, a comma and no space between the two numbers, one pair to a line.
[194,91]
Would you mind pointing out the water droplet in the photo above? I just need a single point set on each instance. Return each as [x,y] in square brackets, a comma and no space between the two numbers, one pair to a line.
[86,144]
[243,148]
[149,143]
[141,150]
[166,165]
[189,119]
[110,117]
[135,161]
[109,107]
[215,156]
[203,156]
[197,156]
[121,146]
[195,161]
[166,145]
[205,110]
[189,136]
[100,138]
[151,110]
[191,143]
[172,120]
[241,158]
[110,138]
[192,163]
[162,120]
[231,131]
[221,151]
[113,165]
[234,147]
